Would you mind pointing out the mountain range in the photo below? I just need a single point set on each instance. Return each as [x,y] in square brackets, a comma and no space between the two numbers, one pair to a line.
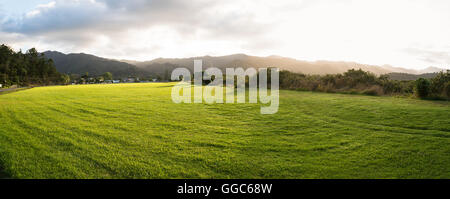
[82,63]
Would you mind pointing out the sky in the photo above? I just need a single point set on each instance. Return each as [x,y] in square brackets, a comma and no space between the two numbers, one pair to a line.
[412,34]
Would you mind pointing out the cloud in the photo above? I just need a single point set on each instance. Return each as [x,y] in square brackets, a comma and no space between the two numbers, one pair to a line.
[118,15]
[373,32]
[431,56]
[84,25]
[55,16]
[2,14]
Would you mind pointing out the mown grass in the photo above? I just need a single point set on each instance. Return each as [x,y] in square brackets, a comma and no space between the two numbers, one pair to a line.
[135,131]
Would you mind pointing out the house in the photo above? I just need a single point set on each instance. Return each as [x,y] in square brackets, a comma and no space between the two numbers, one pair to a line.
[130,79]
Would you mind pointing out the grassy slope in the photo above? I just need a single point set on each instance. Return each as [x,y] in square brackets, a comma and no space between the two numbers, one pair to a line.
[135,131]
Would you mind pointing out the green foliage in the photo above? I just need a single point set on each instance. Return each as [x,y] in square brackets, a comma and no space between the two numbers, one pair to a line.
[136,131]
[31,68]
[374,90]
[439,85]
[361,82]
[352,81]
[108,76]
[422,88]
[65,79]
[447,90]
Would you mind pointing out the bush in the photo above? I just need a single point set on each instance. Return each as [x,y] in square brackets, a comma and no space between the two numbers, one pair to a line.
[361,82]
[447,90]
[422,88]
[30,68]
[374,91]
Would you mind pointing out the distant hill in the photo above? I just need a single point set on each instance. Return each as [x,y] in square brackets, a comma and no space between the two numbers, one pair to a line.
[95,66]
[245,61]
[406,76]
[431,69]
[82,63]
[293,65]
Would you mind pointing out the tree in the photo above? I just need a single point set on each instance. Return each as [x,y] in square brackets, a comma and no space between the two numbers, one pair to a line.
[99,79]
[86,75]
[439,83]
[65,79]
[107,76]
[447,90]
[166,75]
[25,69]
[422,88]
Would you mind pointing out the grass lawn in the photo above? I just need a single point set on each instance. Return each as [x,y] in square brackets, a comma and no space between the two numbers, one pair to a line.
[135,131]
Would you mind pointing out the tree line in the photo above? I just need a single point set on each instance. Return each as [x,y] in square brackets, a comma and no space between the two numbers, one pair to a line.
[362,82]
[29,68]
[35,69]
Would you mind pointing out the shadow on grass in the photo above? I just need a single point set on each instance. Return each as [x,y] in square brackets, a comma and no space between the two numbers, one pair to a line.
[7,91]
[3,174]
[164,86]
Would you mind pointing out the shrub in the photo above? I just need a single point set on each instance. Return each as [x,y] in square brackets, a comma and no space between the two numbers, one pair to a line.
[374,91]
[422,88]
[447,90]
[361,82]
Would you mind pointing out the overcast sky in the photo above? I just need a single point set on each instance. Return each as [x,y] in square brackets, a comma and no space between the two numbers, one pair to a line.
[405,33]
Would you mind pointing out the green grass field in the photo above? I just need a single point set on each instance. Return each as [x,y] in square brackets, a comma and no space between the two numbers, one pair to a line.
[135,131]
